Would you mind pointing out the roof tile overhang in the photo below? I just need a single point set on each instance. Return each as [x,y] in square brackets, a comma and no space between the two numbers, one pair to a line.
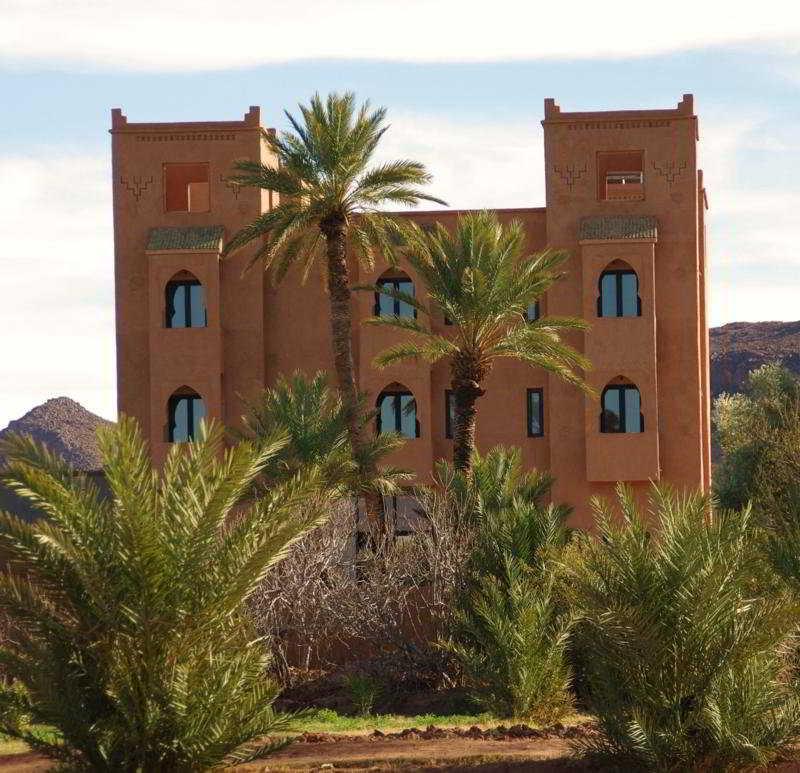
[206,238]
[619,228]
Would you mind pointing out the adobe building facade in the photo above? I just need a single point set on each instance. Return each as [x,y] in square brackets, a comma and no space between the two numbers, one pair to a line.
[624,196]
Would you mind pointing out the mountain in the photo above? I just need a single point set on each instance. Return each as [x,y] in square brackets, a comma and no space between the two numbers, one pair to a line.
[739,347]
[66,427]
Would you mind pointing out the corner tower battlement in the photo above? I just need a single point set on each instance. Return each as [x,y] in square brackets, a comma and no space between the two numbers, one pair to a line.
[120,123]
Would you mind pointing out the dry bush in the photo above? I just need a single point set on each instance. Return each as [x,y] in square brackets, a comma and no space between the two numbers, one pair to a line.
[328,603]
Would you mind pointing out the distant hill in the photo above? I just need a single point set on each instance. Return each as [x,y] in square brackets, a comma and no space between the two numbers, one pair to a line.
[739,347]
[66,427]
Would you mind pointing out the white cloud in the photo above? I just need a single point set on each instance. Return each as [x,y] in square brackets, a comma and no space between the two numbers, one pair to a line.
[57,258]
[206,34]
[475,165]
[752,224]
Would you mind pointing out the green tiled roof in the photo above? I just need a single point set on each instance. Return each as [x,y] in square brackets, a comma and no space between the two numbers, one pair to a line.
[619,227]
[190,239]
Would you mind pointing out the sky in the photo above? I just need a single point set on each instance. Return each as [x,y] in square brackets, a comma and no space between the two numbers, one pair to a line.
[464,83]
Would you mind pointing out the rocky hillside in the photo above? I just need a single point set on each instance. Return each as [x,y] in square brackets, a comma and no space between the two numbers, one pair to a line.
[739,347]
[66,427]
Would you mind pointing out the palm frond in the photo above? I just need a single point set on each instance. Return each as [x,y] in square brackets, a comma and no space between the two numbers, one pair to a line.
[128,612]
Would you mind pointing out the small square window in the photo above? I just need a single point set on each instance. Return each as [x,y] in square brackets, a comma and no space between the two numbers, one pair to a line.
[186,188]
[535,413]
[620,175]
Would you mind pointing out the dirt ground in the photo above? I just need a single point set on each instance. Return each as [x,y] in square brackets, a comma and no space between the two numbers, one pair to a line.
[541,756]
[518,748]
[500,749]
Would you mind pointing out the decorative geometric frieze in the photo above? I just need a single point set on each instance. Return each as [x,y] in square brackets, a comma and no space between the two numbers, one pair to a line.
[191,137]
[635,124]
[669,170]
[136,185]
[570,174]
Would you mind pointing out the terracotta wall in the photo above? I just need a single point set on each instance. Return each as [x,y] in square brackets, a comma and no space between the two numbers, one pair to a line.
[257,331]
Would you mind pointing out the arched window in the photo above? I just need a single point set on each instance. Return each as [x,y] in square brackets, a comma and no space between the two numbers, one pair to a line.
[621,408]
[185,409]
[185,302]
[385,305]
[619,292]
[397,411]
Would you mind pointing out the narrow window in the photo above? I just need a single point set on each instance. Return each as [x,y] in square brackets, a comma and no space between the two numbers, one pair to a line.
[185,410]
[622,409]
[397,412]
[532,314]
[386,306]
[619,294]
[449,412]
[535,413]
[186,304]
[186,188]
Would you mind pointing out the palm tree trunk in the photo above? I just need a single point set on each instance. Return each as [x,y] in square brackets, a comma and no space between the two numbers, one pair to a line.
[466,378]
[334,230]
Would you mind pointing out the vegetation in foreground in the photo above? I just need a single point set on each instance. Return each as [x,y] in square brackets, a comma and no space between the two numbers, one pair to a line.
[507,633]
[683,639]
[128,632]
[313,419]
[759,433]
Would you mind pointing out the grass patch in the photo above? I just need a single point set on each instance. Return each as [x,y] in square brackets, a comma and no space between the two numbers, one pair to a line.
[10,745]
[329,721]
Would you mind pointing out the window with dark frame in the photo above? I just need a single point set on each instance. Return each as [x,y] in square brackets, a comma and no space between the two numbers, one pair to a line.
[533,312]
[621,409]
[386,306]
[186,304]
[535,412]
[619,294]
[449,413]
[397,412]
[184,414]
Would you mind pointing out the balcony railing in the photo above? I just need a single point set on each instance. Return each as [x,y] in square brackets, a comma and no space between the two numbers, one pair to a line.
[624,185]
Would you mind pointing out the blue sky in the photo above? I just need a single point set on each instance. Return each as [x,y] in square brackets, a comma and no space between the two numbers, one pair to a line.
[465,101]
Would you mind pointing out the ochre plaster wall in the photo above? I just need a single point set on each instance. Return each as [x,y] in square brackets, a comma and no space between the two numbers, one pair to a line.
[257,332]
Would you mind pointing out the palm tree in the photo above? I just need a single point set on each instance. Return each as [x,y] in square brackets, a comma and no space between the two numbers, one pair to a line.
[683,636]
[483,283]
[330,197]
[129,632]
[312,418]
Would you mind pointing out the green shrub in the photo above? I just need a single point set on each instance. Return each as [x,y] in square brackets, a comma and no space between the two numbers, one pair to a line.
[508,634]
[682,644]
[129,630]
[364,691]
[759,433]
